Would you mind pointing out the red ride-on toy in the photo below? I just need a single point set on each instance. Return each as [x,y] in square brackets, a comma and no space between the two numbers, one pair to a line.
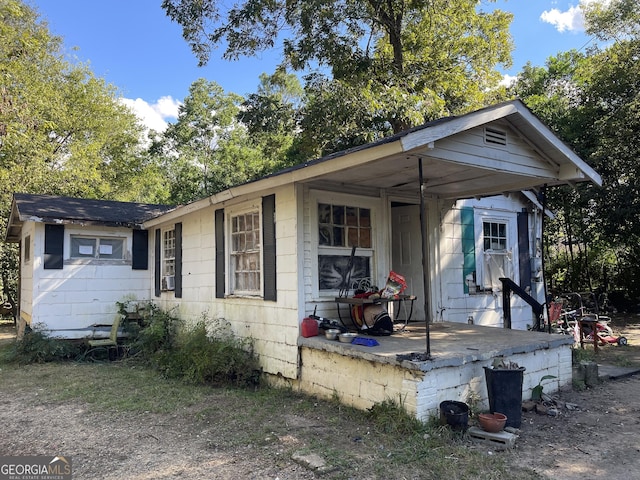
[592,323]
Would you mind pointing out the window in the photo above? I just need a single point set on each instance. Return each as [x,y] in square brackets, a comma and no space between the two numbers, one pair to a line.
[344,226]
[496,258]
[102,248]
[245,253]
[168,259]
[494,236]
[341,228]
[27,248]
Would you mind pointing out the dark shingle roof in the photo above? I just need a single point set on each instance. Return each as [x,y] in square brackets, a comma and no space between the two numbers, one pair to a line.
[55,209]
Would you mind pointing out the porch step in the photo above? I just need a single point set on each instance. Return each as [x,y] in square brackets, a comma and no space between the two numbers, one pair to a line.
[501,440]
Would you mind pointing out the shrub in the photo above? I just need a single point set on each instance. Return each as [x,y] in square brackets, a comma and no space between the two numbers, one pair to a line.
[37,347]
[204,353]
[205,356]
[157,336]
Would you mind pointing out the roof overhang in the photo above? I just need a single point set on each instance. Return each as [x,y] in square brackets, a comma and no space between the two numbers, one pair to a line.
[451,169]
[454,170]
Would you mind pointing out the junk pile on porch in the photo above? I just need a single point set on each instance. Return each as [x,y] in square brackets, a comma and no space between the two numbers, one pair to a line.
[367,311]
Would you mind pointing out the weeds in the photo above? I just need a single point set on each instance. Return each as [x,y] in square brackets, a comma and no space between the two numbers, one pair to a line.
[37,347]
[205,353]
[199,357]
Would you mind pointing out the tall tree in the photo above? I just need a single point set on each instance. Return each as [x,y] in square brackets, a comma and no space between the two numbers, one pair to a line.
[400,62]
[593,101]
[207,150]
[62,130]
[271,116]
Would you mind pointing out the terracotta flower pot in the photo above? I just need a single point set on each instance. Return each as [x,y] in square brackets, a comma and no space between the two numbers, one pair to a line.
[492,422]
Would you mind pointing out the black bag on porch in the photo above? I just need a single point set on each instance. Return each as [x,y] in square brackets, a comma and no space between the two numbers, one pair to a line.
[376,321]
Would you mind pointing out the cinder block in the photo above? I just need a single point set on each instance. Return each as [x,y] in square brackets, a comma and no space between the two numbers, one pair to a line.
[500,440]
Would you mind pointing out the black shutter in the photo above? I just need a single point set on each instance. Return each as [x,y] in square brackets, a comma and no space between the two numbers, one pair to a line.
[156,259]
[524,257]
[140,250]
[269,246]
[53,246]
[220,260]
[178,258]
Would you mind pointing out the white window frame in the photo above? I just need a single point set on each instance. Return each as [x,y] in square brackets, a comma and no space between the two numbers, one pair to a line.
[317,197]
[508,255]
[254,209]
[168,261]
[99,249]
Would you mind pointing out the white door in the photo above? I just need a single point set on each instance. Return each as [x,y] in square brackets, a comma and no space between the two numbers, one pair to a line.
[406,255]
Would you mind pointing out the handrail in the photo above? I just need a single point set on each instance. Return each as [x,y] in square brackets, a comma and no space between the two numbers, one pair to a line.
[509,286]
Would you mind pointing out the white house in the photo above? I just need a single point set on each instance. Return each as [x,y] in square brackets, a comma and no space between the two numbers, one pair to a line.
[451,205]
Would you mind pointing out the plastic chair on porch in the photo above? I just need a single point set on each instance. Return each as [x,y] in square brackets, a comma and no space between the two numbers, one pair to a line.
[109,343]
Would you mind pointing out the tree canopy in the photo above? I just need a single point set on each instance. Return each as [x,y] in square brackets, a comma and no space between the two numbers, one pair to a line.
[592,100]
[388,64]
[62,130]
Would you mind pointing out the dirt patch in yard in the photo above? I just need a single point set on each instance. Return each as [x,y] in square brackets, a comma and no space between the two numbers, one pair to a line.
[595,435]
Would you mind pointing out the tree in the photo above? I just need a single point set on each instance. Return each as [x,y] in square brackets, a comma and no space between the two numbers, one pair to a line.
[207,150]
[593,102]
[401,62]
[271,116]
[616,19]
[62,130]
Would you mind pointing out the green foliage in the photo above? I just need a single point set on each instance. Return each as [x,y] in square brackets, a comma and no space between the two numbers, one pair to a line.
[37,347]
[536,392]
[63,131]
[208,356]
[390,417]
[591,100]
[159,335]
[207,150]
[206,352]
[392,65]
[615,19]
[579,355]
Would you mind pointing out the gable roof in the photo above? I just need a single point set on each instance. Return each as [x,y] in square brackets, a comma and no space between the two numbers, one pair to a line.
[453,167]
[515,113]
[80,211]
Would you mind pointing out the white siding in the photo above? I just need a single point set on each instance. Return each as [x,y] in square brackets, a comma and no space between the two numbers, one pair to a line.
[79,300]
[485,308]
[27,268]
[273,326]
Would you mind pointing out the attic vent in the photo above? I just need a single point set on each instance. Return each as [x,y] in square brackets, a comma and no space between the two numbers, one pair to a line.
[495,136]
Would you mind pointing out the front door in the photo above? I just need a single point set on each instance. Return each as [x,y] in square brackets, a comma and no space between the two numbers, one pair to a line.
[406,255]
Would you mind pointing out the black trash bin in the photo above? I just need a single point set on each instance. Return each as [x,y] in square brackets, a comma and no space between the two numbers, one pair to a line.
[504,387]
[455,414]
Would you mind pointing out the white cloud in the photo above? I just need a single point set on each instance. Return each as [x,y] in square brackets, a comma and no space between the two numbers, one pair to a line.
[571,20]
[154,116]
[508,80]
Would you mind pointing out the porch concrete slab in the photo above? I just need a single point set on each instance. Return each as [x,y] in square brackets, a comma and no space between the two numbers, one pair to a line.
[451,345]
[613,372]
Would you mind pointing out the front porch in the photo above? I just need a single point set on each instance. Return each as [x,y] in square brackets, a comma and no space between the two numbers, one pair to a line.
[362,376]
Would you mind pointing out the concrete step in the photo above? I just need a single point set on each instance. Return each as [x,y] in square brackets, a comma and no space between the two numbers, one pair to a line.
[500,440]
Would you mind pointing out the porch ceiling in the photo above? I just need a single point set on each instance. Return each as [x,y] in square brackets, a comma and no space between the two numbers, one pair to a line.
[456,162]
[399,175]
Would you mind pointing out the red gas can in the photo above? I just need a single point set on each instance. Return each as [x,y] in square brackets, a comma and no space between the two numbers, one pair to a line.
[309,327]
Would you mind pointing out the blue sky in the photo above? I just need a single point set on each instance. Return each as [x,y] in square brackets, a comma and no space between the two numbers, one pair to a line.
[133,45]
